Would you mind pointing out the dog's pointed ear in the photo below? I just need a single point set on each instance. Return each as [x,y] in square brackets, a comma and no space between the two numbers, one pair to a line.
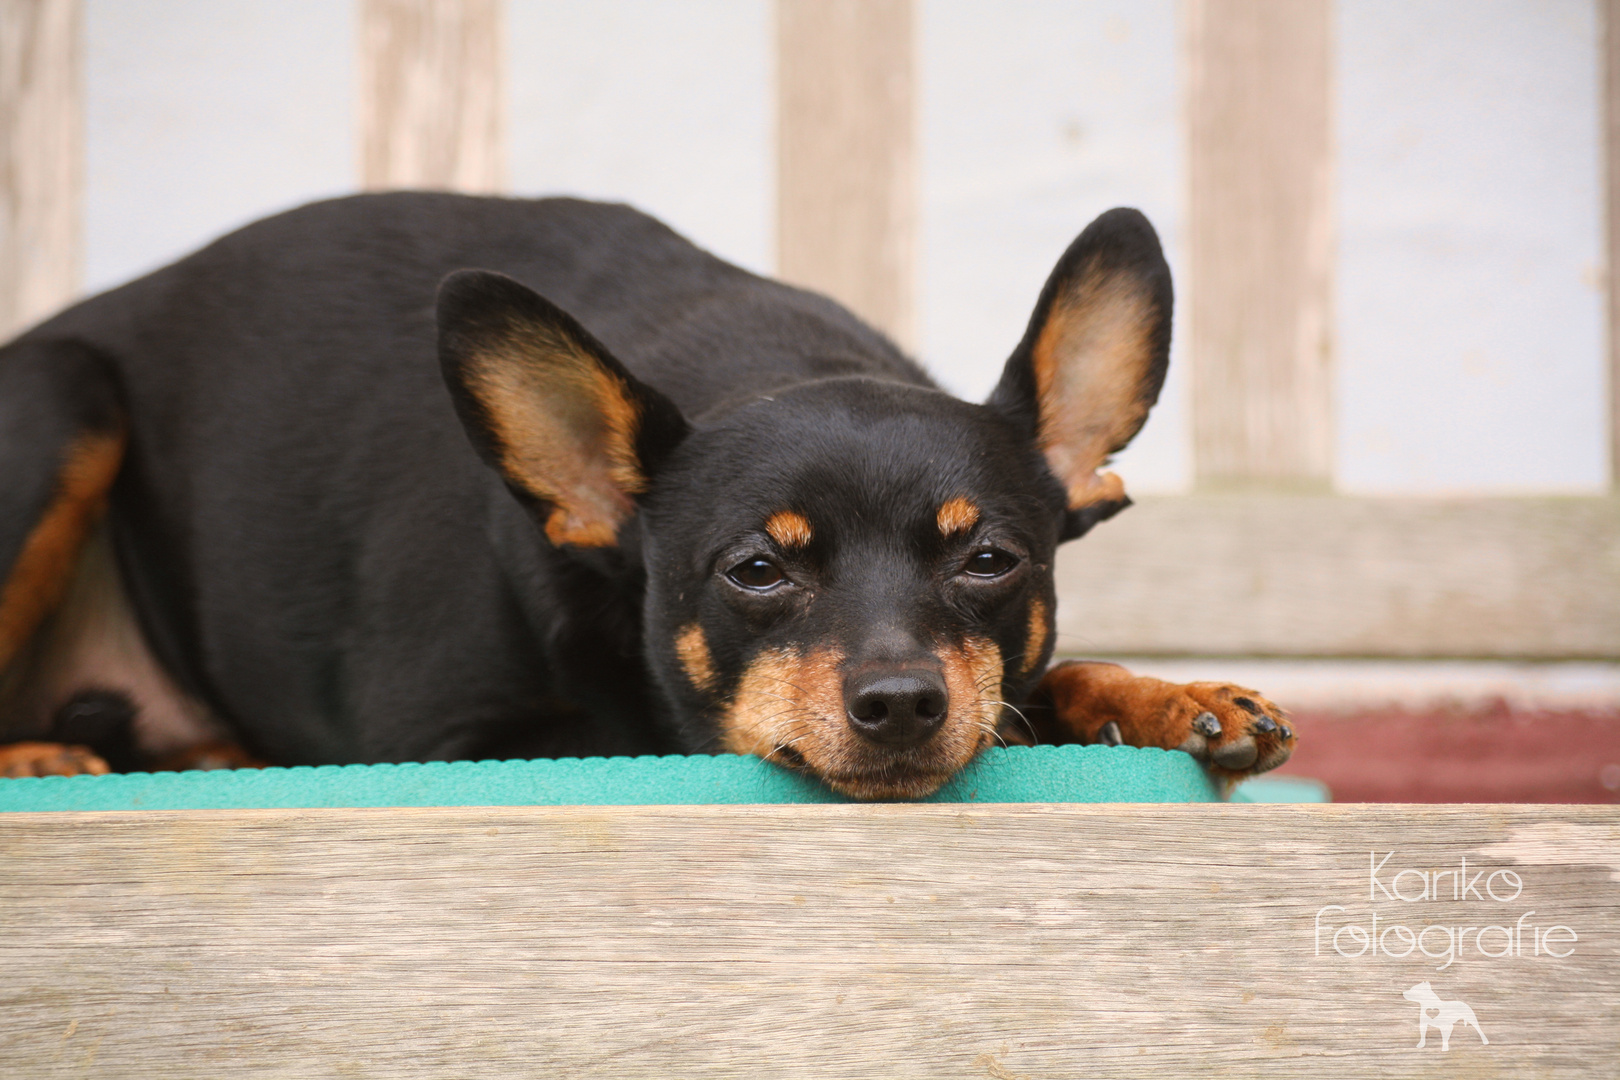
[1091,364]
[576,436]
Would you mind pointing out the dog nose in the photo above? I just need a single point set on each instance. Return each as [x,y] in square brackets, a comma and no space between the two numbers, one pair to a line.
[897,708]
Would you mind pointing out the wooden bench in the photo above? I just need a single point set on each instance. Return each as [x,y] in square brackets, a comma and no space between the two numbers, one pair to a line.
[950,940]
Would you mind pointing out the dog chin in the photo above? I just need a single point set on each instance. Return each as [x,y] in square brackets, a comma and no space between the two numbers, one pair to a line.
[874,775]
[888,785]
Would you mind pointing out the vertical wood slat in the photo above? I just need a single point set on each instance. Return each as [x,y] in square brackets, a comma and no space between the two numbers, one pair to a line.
[1609,13]
[432,95]
[41,158]
[1260,173]
[846,149]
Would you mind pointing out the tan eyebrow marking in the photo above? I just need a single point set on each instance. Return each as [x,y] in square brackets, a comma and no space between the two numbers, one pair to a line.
[693,649]
[957,515]
[789,528]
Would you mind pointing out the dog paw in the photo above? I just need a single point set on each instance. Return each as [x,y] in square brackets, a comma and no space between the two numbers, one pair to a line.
[208,756]
[49,759]
[1233,731]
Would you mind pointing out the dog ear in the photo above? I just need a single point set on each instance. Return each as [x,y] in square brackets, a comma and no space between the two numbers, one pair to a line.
[576,436]
[1091,364]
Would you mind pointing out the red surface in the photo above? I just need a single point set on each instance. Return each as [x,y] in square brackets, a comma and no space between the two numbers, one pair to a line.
[1484,754]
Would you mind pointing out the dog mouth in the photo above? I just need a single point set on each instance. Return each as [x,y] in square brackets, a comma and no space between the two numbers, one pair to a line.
[888,786]
[788,757]
[884,781]
[799,711]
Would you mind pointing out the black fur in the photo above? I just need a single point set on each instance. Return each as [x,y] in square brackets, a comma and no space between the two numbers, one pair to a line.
[316,551]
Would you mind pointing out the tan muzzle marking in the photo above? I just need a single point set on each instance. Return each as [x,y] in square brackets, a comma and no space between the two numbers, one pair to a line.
[789,708]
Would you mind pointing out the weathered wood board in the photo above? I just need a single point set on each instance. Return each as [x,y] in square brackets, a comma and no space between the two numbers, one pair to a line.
[846,155]
[794,941]
[1259,117]
[432,98]
[1281,575]
[41,158]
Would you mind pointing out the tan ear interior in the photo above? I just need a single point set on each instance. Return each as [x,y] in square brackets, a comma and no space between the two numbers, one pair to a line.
[566,427]
[1092,360]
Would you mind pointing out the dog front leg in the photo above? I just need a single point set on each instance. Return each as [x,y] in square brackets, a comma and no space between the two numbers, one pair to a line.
[1233,731]
[49,759]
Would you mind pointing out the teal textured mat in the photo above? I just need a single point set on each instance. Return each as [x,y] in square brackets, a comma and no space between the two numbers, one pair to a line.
[1015,774]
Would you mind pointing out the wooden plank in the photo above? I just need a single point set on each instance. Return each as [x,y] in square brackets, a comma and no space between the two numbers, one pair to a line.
[846,149]
[432,95]
[1330,576]
[41,158]
[837,941]
[1260,231]
[1609,16]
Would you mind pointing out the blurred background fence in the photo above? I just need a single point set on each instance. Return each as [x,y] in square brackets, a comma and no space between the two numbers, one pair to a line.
[1390,429]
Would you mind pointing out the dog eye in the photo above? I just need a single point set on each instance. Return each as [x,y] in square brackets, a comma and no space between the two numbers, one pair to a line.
[990,563]
[758,574]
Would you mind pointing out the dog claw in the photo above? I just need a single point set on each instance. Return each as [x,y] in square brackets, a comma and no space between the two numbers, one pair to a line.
[1238,754]
[1207,725]
[1265,725]
[1109,735]
[1196,745]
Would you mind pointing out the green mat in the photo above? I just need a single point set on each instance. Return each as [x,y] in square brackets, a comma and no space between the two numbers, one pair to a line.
[1017,774]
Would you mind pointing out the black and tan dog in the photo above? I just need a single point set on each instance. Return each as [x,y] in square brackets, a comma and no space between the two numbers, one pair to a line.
[706,512]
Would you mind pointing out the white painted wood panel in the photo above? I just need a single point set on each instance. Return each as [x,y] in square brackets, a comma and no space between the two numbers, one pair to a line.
[670,107]
[203,116]
[1471,254]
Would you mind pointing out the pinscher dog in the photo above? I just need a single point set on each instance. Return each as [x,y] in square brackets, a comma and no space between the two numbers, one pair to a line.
[609,495]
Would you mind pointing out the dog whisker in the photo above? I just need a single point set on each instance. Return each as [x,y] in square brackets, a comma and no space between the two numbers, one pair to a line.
[785,682]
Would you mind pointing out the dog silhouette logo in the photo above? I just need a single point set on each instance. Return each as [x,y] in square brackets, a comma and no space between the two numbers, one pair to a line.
[1446,1015]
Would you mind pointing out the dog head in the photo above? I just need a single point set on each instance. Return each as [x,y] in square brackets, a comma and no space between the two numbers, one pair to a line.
[847,576]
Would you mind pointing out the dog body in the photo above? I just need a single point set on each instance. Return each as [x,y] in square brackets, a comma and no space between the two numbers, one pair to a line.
[670,507]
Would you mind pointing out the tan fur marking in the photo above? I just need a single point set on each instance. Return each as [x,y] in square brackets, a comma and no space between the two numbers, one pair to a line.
[1085,695]
[91,640]
[784,699]
[794,701]
[45,565]
[790,528]
[1090,361]
[1037,635]
[973,676]
[49,759]
[693,649]
[567,430]
[956,515]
